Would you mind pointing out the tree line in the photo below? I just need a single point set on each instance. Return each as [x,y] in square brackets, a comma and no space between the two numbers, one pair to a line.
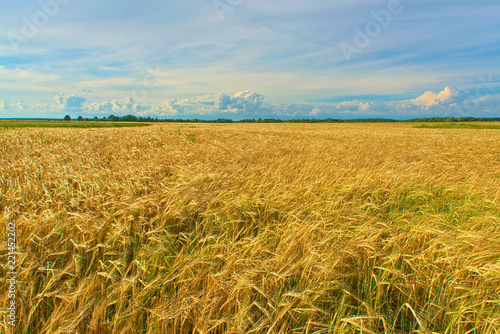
[133,118]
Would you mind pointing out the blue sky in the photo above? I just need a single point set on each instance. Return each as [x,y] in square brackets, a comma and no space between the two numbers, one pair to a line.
[243,59]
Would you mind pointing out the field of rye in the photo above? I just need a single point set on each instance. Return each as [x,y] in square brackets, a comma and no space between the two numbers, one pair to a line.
[252,228]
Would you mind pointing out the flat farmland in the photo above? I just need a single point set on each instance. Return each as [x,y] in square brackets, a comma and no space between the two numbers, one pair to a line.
[252,228]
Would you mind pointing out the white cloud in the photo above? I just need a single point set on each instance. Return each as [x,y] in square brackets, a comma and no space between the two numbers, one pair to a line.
[167,108]
[14,106]
[448,102]
[247,101]
[99,108]
[249,104]
[119,107]
[128,105]
[430,99]
[244,101]
[222,102]
[23,110]
[70,103]
[351,109]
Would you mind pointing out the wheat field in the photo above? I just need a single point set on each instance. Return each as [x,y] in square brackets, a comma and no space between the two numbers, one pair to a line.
[252,228]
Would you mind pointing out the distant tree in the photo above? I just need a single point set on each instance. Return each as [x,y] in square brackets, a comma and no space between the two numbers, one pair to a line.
[96,118]
[80,118]
[67,118]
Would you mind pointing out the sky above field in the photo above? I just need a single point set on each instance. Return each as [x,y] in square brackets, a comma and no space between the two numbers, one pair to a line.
[248,59]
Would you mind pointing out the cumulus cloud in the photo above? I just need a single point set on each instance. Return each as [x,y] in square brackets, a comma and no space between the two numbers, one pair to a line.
[14,106]
[24,110]
[222,102]
[349,109]
[291,110]
[244,101]
[429,99]
[70,103]
[120,107]
[448,102]
[167,108]
[99,107]
[128,105]
[249,104]
[247,101]
[116,107]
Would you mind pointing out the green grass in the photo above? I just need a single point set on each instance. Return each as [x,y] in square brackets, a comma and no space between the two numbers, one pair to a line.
[457,126]
[8,124]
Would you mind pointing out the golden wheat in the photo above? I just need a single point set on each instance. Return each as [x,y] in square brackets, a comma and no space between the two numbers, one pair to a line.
[253,228]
